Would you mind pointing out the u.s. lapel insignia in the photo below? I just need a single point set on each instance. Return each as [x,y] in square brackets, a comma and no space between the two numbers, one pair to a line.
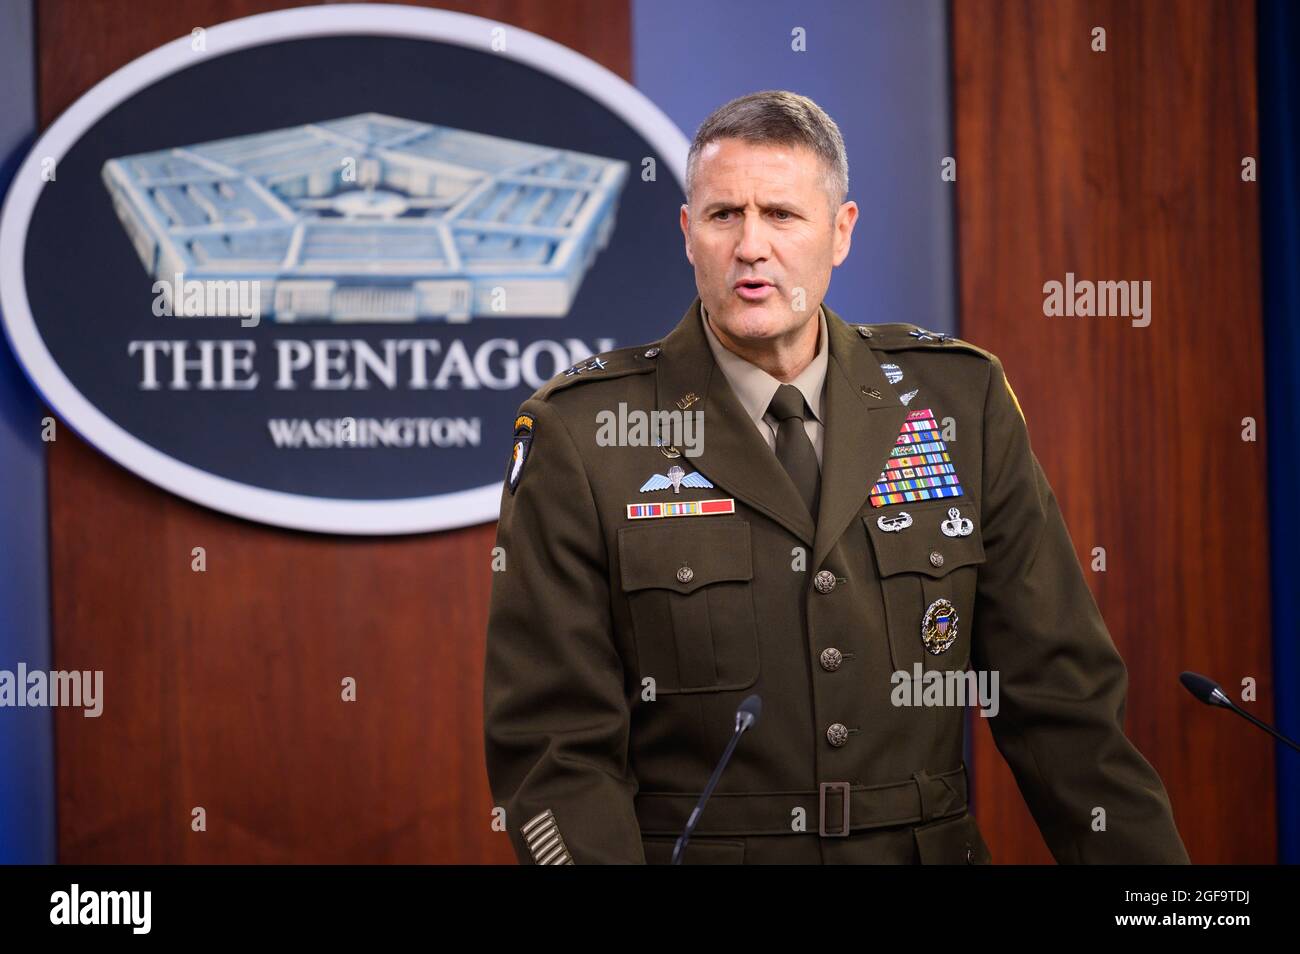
[919,466]
[676,478]
[684,508]
[519,450]
[545,843]
[956,525]
[939,626]
[686,400]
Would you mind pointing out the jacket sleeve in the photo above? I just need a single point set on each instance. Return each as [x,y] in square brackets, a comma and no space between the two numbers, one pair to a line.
[556,718]
[1062,684]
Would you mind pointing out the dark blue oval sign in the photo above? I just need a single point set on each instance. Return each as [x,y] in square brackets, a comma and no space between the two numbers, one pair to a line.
[303,267]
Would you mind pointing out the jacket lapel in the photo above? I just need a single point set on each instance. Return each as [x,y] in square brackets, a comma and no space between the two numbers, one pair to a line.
[860,432]
[735,457]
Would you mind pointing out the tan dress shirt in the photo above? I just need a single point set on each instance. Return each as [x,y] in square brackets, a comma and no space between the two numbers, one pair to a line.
[755,387]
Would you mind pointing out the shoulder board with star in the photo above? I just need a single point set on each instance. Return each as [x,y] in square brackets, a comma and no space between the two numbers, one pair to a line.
[635,359]
[900,336]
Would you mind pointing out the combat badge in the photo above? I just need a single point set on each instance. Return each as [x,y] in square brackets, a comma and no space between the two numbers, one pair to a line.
[939,627]
[894,524]
[519,453]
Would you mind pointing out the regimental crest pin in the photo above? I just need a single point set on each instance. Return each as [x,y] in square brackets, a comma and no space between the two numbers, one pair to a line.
[676,478]
[519,451]
[668,450]
[939,626]
[893,373]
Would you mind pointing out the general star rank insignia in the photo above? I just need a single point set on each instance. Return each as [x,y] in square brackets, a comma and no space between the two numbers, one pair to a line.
[519,451]
[595,364]
[919,467]
[939,627]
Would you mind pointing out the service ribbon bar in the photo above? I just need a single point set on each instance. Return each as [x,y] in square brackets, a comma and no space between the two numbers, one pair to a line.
[919,467]
[684,508]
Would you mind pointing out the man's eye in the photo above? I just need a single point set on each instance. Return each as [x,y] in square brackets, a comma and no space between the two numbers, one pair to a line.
[722,213]
[783,212]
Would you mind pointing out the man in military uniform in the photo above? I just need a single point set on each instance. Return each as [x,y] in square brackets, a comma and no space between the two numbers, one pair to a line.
[864,509]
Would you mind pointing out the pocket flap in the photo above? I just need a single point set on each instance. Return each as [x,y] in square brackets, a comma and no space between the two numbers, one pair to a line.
[909,550]
[652,556]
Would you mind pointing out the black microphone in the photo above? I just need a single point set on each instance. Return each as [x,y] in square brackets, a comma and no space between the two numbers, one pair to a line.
[746,718]
[1208,691]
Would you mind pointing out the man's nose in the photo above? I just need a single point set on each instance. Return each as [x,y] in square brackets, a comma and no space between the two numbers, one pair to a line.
[754,242]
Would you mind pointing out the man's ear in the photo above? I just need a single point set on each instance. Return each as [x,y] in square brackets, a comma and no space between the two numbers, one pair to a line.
[845,219]
[685,220]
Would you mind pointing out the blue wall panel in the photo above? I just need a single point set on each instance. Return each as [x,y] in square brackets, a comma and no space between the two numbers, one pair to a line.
[880,70]
[27,834]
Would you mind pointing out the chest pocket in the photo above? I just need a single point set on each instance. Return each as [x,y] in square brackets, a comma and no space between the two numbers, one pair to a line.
[689,587]
[928,580]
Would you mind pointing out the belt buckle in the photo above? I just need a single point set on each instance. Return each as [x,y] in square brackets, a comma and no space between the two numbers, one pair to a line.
[821,810]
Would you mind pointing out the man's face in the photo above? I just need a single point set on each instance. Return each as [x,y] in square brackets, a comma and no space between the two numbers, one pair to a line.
[762,212]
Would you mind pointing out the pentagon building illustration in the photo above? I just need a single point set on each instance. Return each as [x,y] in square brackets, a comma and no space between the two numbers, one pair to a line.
[373,218]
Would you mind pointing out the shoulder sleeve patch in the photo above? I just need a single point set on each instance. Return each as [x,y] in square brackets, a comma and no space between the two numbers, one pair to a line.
[519,450]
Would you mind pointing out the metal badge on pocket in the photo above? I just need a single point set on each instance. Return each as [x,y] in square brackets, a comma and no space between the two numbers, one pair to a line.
[896,523]
[956,525]
[939,626]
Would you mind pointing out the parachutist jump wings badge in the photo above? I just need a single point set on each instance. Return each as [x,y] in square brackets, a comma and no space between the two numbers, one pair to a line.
[677,479]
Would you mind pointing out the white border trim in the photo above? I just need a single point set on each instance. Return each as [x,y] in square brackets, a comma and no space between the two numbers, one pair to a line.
[296,511]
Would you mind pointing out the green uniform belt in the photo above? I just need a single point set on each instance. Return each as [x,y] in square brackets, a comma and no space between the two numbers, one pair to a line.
[919,799]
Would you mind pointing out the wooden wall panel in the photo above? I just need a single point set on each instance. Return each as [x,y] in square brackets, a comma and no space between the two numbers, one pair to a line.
[222,688]
[1125,165]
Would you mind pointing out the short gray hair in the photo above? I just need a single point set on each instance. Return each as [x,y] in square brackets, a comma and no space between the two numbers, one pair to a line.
[777,117]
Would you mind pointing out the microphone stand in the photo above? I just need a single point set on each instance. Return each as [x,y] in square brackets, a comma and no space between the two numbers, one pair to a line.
[745,717]
[1209,692]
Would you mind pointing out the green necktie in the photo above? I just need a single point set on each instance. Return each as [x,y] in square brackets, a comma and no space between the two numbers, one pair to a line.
[793,448]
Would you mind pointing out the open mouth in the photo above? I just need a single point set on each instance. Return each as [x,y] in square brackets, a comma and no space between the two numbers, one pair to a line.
[754,291]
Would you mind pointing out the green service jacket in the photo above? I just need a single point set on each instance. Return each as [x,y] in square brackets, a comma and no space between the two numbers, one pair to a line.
[620,641]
